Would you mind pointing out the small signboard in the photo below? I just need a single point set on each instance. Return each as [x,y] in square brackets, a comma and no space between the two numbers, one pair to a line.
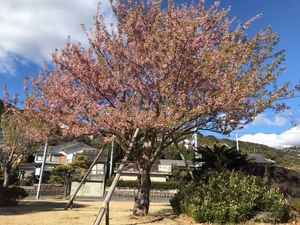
[164,168]
[37,171]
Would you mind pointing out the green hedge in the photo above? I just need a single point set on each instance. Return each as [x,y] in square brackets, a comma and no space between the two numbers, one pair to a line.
[224,197]
[11,195]
[154,184]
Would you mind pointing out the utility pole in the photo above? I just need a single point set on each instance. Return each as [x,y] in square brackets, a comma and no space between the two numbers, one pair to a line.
[42,171]
[111,159]
[237,142]
[194,143]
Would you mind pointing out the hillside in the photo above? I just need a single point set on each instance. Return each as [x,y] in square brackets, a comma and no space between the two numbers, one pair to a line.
[288,158]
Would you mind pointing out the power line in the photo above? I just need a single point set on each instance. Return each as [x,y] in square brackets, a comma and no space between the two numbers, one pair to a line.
[292,97]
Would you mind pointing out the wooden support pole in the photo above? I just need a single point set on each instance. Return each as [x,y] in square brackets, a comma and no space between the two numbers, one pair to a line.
[184,160]
[117,177]
[107,214]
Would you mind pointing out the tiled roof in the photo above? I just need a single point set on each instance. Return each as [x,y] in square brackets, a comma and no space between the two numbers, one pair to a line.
[258,158]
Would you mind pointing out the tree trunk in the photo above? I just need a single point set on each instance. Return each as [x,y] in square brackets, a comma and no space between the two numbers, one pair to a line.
[66,184]
[66,187]
[142,201]
[7,175]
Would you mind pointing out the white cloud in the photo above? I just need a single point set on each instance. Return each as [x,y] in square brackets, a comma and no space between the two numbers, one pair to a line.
[262,119]
[30,30]
[285,139]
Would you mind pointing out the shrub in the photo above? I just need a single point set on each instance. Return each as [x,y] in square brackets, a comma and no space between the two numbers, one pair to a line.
[11,195]
[224,197]
[29,180]
[166,185]
[154,184]
[58,197]
[179,176]
[296,205]
[25,183]
[123,183]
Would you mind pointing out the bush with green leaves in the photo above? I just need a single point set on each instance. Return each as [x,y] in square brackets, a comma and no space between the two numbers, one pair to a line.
[228,197]
[11,195]
[296,205]
[64,174]
[154,184]
[179,176]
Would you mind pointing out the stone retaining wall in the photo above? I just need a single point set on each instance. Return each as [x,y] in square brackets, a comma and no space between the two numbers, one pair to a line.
[50,190]
[46,190]
[131,192]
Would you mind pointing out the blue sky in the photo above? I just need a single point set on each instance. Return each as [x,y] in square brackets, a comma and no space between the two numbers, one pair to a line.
[30,31]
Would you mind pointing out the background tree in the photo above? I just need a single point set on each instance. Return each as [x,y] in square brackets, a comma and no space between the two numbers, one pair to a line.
[64,174]
[1,109]
[172,152]
[167,72]
[222,157]
[17,146]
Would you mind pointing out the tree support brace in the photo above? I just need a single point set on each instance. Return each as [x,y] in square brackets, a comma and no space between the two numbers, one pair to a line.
[117,177]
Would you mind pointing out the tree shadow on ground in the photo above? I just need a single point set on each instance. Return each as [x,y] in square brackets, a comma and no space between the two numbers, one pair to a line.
[27,207]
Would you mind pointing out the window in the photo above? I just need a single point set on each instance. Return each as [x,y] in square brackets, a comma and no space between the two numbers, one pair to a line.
[97,173]
[55,158]
[39,157]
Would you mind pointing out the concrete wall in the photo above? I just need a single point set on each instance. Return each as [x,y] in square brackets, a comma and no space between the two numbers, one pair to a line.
[88,189]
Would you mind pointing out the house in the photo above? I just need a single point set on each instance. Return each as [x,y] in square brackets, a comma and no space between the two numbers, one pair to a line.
[66,153]
[95,183]
[260,160]
[56,155]
[158,172]
[179,163]
[99,170]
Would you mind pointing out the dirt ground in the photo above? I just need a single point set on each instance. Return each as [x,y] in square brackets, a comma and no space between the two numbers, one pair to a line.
[49,212]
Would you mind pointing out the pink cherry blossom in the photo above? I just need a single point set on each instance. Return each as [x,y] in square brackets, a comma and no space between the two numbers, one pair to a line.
[167,71]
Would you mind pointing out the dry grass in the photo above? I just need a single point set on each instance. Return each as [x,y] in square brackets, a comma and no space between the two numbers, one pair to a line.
[49,212]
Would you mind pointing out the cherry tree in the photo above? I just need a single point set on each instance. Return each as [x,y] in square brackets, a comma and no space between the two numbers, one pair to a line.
[23,133]
[17,146]
[166,72]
